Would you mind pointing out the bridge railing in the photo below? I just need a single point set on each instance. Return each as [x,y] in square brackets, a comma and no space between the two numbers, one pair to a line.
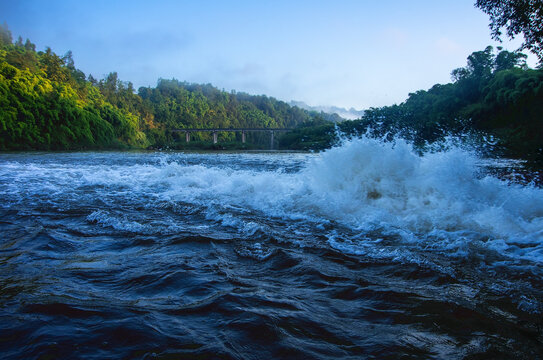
[216,131]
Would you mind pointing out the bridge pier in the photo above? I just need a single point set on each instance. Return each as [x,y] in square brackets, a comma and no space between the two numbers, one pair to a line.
[243,131]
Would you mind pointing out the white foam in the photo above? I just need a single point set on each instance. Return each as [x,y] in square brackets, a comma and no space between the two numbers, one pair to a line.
[374,185]
[118,223]
[439,200]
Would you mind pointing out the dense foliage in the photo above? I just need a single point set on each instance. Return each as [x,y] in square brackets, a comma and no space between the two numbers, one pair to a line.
[178,105]
[517,17]
[495,94]
[46,103]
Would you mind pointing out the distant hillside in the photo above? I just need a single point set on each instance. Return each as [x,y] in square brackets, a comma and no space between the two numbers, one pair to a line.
[349,114]
[47,103]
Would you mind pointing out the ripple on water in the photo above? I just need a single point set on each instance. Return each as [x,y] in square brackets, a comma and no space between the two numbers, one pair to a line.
[366,251]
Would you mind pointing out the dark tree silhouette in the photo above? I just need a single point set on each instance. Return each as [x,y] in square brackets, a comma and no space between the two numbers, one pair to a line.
[517,17]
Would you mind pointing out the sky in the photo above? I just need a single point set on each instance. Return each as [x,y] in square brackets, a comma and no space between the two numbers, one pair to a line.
[347,53]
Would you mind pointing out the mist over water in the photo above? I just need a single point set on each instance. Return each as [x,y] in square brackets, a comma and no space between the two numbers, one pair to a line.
[366,250]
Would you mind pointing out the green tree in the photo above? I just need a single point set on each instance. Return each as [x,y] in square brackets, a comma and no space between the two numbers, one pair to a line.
[506,60]
[480,66]
[29,46]
[5,35]
[517,17]
[53,66]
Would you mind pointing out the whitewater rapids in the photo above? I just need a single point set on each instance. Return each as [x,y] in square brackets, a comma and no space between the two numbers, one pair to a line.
[273,242]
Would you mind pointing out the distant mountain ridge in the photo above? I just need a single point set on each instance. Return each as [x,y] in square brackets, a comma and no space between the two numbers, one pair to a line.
[348,114]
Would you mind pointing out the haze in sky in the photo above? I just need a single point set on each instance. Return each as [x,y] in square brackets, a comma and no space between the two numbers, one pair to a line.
[345,52]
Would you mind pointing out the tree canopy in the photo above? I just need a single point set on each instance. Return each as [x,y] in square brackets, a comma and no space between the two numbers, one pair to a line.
[517,17]
[47,103]
[494,94]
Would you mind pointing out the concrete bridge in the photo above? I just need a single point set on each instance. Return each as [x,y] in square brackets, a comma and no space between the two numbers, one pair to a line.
[243,131]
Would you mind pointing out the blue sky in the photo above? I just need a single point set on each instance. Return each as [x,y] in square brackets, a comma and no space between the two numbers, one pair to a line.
[344,53]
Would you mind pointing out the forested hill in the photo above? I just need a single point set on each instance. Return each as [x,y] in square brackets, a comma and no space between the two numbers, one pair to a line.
[46,103]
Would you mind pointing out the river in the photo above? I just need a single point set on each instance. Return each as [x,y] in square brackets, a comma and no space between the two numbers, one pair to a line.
[365,251]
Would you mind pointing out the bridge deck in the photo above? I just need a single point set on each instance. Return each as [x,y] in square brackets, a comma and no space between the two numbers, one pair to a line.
[216,132]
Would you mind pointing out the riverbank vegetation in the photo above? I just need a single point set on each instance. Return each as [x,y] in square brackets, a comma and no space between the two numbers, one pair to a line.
[495,95]
[48,104]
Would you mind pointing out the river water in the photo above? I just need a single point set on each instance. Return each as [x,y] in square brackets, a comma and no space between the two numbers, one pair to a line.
[365,251]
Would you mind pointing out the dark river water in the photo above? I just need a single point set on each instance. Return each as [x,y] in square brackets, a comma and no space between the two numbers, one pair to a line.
[366,251]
